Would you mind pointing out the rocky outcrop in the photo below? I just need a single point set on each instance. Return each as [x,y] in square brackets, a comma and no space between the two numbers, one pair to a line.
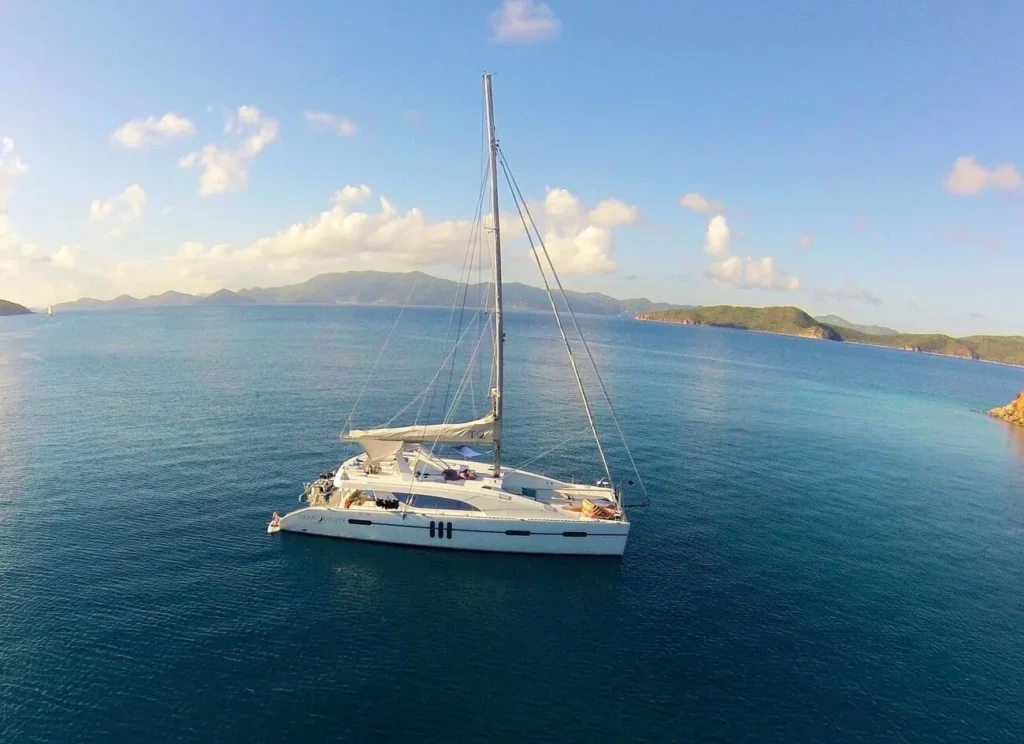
[1013,413]
[659,316]
[822,332]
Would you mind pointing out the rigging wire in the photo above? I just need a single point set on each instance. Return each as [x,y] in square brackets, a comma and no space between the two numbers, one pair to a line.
[561,330]
[549,451]
[517,194]
[429,385]
[467,271]
[380,355]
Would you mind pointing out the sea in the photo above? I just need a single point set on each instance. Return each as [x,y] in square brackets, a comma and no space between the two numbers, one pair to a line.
[830,548]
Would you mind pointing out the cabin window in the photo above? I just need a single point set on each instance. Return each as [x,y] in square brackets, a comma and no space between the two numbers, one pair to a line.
[423,501]
[519,533]
[449,531]
[360,521]
[431,529]
[574,534]
[531,492]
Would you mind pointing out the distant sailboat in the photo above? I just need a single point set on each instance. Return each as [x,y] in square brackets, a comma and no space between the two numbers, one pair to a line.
[49,310]
[403,490]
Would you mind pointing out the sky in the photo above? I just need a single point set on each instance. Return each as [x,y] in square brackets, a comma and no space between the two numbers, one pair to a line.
[863,159]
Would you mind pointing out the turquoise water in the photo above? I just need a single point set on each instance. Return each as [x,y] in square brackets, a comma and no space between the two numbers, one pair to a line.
[834,550]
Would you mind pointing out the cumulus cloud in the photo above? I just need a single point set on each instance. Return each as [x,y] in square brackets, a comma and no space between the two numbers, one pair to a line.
[121,208]
[226,169]
[970,177]
[805,241]
[718,239]
[320,121]
[140,134]
[12,167]
[352,233]
[351,193]
[581,241]
[561,204]
[742,272]
[752,273]
[586,251]
[698,203]
[612,212]
[523,22]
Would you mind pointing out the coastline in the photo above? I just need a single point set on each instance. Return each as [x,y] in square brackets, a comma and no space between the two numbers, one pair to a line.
[841,340]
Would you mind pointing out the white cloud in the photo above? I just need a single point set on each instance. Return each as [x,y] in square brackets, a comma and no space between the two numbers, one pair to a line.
[580,241]
[559,203]
[140,134]
[227,169]
[248,115]
[524,22]
[752,273]
[742,272]
[122,208]
[67,256]
[347,235]
[351,194]
[612,212]
[324,122]
[585,251]
[718,240]
[698,203]
[805,241]
[970,177]
[12,167]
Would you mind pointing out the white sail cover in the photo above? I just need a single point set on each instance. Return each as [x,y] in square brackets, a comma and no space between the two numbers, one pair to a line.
[481,431]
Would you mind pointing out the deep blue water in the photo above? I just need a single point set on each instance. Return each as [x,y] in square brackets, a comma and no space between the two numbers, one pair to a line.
[834,549]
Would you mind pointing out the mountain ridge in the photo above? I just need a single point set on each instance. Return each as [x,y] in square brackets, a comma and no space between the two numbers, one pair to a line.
[374,288]
[874,330]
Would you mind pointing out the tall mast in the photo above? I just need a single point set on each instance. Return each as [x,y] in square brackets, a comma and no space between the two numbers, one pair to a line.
[499,325]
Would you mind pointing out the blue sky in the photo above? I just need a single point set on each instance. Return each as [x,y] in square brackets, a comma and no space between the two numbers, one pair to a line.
[859,158]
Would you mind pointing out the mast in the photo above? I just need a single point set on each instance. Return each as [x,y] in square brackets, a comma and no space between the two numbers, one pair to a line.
[499,325]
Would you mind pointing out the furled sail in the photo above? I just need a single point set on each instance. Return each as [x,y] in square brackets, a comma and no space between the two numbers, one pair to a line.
[481,431]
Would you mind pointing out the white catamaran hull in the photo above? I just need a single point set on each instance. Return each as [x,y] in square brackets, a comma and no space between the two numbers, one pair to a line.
[459,532]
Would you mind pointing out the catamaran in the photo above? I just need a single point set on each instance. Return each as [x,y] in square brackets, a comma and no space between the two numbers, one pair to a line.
[407,488]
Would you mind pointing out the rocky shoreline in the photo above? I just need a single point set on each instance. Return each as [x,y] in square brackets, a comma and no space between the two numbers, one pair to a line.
[1013,412]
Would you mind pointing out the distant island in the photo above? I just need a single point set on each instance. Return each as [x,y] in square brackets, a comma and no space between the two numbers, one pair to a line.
[13,308]
[793,321]
[376,288]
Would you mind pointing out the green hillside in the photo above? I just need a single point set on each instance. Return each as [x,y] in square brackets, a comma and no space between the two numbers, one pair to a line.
[791,321]
[795,322]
